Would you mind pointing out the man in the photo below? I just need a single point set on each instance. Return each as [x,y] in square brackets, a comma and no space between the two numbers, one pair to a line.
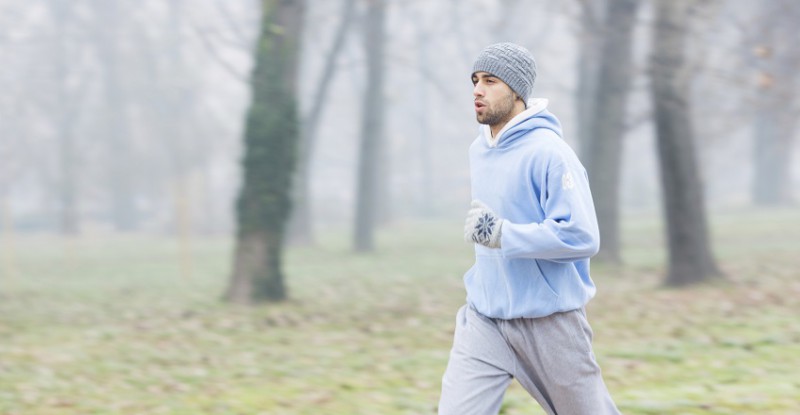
[534,228]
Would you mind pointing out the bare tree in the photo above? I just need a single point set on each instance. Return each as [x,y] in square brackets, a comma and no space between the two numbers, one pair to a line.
[13,163]
[369,165]
[271,135]
[424,38]
[301,229]
[690,255]
[607,111]
[775,120]
[115,129]
[179,99]
[65,115]
[590,36]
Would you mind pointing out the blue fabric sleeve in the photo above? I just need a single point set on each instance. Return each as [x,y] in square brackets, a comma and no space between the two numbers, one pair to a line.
[569,230]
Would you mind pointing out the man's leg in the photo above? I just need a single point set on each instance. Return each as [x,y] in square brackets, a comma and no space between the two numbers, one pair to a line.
[557,365]
[477,373]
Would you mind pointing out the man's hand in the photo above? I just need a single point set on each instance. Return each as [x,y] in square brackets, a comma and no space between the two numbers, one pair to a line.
[482,226]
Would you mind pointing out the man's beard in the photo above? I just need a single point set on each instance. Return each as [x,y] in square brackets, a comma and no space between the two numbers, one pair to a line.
[497,113]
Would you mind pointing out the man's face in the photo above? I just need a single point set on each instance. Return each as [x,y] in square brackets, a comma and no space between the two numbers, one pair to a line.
[494,99]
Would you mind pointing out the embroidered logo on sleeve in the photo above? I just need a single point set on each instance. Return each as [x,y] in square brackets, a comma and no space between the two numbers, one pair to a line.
[567,182]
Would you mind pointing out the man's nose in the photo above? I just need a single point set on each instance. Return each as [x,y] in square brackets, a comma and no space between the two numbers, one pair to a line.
[477,91]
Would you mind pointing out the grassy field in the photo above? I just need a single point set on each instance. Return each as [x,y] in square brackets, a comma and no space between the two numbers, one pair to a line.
[107,325]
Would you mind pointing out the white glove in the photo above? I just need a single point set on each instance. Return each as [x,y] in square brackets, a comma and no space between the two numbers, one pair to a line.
[482,226]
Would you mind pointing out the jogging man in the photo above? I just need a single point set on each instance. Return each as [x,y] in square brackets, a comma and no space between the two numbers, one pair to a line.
[534,227]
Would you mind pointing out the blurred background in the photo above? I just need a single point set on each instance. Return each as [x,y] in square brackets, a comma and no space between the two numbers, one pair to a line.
[150,150]
[115,112]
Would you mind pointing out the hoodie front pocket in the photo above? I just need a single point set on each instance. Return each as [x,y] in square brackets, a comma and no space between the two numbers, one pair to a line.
[544,278]
[509,288]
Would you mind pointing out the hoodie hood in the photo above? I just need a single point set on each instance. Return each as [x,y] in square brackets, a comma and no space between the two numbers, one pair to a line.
[535,116]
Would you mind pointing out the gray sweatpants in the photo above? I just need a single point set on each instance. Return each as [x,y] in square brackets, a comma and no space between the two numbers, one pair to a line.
[551,357]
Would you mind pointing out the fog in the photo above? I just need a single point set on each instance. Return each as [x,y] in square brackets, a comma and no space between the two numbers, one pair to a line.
[128,116]
[144,203]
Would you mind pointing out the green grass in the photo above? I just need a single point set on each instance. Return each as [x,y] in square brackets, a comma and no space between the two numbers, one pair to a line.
[108,325]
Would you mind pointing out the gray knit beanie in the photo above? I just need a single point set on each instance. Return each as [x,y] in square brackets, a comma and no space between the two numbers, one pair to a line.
[510,62]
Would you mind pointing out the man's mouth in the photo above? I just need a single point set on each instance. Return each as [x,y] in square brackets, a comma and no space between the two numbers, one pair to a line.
[479,105]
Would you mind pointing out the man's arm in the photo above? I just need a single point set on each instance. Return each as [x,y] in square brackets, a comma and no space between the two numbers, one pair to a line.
[569,231]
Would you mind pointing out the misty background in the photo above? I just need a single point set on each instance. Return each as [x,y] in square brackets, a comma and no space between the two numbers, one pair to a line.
[128,116]
[149,150]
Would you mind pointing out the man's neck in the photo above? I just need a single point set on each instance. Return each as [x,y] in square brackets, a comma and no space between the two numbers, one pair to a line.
[496,128]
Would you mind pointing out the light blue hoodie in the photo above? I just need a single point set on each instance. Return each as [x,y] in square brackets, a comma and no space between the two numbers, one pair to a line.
[534,181]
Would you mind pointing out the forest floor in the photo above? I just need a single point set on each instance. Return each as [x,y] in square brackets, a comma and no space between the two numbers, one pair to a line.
[110,325]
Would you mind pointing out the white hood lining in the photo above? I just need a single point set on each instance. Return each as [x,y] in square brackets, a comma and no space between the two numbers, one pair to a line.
[535,106]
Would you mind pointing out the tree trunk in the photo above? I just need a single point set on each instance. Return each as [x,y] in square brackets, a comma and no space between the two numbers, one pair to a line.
[425,142]
[115,128]
[271,136]
[606,126]
[371,129]
[776,92]
[690,257]
[257,274]
[301,229]
[68,180]
[589,44]
[9,269]
[773,131]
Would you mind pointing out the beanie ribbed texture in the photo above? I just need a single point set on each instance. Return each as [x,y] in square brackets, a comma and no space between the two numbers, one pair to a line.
[512,63]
